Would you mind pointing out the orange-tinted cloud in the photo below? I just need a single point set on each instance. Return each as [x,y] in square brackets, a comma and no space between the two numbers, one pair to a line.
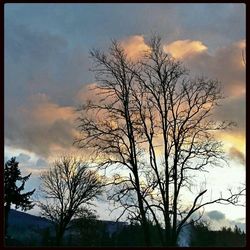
[220,65]
[46,126]
[225,64]
[42,125]
[184,48]
[237,155]
[234,139]
[88,92]
[42,110]
[134,46]
[234,144]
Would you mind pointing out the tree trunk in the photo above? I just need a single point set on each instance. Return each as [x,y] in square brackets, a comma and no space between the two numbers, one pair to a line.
[59,235]
[144,222]
[174,238]
[168,233]
[130,132]
[6,218]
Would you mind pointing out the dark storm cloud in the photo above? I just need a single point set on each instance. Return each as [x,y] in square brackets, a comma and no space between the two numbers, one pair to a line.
[216,215]
[219,220]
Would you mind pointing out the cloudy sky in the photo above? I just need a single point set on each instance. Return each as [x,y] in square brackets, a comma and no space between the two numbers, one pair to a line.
[47,72]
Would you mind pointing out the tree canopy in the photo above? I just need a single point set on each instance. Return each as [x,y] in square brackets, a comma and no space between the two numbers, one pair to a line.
[66,187]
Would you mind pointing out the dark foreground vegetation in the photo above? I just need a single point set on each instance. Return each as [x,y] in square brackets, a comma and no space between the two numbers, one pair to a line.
[29,230]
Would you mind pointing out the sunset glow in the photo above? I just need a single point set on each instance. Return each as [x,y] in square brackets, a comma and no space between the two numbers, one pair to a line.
[49,74]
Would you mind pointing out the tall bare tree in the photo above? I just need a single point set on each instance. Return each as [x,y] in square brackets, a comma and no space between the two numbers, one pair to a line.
[175,112]
[67,186]
[155,120]
[113,135]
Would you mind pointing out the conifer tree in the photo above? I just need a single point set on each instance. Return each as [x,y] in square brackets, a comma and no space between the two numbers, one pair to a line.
[13,192]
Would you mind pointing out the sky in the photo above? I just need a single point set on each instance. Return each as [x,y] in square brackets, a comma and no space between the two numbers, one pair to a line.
[46,59]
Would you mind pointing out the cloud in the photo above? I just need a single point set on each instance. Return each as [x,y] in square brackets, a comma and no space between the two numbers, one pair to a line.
[43,62]
[237,155]
[184,48]
[216,215]
[40,126]
[24,43]
[41,163]
[35,172]
[87,92]
[23,158]
[44,111]
[42,56]
[90,92]
[134,46]
[217,220]
[225,64]
[234,143]
[233,109]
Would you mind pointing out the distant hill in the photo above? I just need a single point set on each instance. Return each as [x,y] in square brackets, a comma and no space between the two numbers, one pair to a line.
[17,218]
[21,219]
[26,229]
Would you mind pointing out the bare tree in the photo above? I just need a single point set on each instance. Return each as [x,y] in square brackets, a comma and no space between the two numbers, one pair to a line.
[155,120]
[113,135]
[67,186]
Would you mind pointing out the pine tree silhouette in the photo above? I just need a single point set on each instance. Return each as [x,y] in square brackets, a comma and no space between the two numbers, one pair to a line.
[12,192]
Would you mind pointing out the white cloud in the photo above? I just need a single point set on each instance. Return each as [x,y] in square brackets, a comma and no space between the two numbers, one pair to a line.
[181,49]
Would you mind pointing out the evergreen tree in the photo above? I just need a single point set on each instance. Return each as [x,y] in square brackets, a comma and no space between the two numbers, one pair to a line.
[12,191]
